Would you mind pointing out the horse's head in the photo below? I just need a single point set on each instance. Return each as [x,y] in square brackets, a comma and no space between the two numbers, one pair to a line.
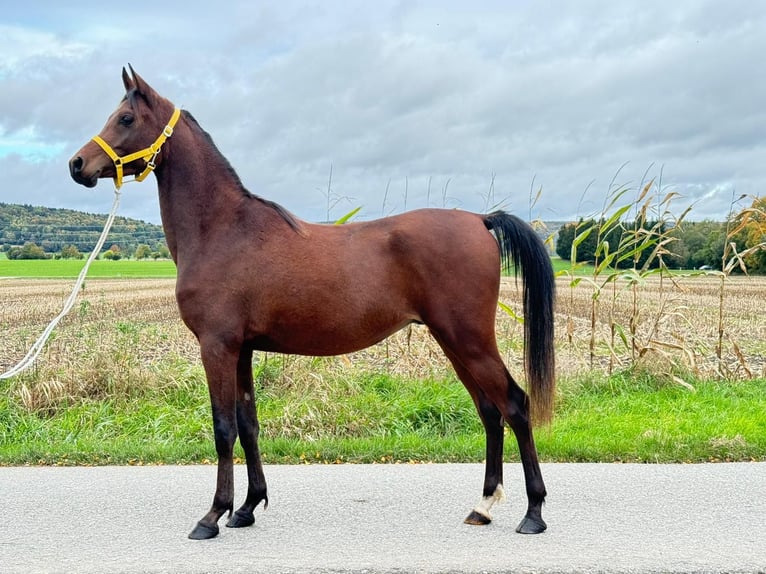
[131,141]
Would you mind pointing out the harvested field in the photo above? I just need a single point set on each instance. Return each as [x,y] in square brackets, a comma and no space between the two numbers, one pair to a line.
[125,333]
[676,325]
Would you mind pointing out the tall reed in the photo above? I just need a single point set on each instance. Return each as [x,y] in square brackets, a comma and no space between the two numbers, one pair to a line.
[633,239]
[731,260]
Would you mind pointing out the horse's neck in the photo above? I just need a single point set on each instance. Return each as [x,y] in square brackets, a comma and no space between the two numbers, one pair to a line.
[197,191]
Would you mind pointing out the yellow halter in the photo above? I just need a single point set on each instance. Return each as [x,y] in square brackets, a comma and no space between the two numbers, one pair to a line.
[148,154]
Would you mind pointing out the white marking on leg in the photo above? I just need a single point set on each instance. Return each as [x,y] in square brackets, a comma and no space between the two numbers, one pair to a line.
[488,501]
[247,396]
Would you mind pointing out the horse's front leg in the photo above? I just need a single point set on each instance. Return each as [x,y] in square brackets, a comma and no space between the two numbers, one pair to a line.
[220,367]
[247,424]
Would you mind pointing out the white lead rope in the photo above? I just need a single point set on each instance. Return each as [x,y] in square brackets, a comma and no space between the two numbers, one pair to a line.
[38,345]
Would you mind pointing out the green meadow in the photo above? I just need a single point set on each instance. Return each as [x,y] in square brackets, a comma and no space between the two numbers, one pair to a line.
[385,418]
[66,268]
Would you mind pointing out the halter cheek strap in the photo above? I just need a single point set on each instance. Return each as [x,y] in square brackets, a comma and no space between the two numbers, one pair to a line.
[149,154]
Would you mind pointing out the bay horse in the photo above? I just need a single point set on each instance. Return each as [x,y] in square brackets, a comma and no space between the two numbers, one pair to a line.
[252,276]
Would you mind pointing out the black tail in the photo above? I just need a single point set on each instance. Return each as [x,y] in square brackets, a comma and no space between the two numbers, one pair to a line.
[521,247]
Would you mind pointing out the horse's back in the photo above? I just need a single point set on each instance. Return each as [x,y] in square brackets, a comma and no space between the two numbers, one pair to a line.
[417,251]
[426,260]
[415,240]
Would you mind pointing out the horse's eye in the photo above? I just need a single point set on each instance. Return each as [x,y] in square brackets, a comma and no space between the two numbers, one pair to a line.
[126,120]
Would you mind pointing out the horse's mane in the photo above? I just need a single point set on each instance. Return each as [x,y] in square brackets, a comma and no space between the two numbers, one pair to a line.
[291,220]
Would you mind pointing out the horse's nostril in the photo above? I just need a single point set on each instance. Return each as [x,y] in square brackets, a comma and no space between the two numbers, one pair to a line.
[75,164]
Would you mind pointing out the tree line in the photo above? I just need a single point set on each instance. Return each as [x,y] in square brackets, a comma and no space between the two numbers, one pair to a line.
[34,232]
[31,250]
[687,245]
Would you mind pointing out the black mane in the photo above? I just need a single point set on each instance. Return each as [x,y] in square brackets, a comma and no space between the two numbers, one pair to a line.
[291,220]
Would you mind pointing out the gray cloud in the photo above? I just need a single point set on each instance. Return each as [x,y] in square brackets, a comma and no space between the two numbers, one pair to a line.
[433,100]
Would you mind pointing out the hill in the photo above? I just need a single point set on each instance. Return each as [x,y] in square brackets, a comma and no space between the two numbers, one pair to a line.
[54,228]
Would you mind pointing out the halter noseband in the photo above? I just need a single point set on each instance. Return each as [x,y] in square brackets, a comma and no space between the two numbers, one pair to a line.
[148,154]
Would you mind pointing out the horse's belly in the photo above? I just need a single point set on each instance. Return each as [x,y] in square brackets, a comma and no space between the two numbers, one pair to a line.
[328,339]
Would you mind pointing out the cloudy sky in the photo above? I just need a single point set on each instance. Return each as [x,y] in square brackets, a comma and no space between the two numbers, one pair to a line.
[456,104]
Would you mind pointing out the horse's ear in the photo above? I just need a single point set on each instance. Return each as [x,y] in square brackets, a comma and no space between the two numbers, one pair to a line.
[127,80]
[143,88]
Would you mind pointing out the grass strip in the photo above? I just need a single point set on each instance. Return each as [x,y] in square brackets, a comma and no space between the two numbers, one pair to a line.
[384,419]
[70,268]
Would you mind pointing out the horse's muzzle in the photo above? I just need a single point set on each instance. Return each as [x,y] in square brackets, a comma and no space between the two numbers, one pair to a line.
[76,171]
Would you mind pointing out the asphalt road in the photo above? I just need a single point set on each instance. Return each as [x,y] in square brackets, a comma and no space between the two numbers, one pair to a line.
[387,518]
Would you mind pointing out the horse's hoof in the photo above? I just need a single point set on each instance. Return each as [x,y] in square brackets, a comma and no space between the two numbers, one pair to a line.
[204,531]
[240,519]
[477,519]
[531,526]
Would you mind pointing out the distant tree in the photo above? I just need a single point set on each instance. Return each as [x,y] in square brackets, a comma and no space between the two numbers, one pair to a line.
[112,255]
[70,252]
[564,240]
[749,227]
[700,243]
[32,251]
[28,251]
[587,233]
[143,251]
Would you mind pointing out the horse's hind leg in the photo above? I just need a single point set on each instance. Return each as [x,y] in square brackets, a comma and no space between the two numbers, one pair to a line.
[493,429]
[518,419]
[247,425]
[479,366]
[493,467]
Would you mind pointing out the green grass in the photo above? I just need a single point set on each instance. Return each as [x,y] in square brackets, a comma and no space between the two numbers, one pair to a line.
[561,266]
[102,268]
[638,419]
[383,418]
[66,268]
